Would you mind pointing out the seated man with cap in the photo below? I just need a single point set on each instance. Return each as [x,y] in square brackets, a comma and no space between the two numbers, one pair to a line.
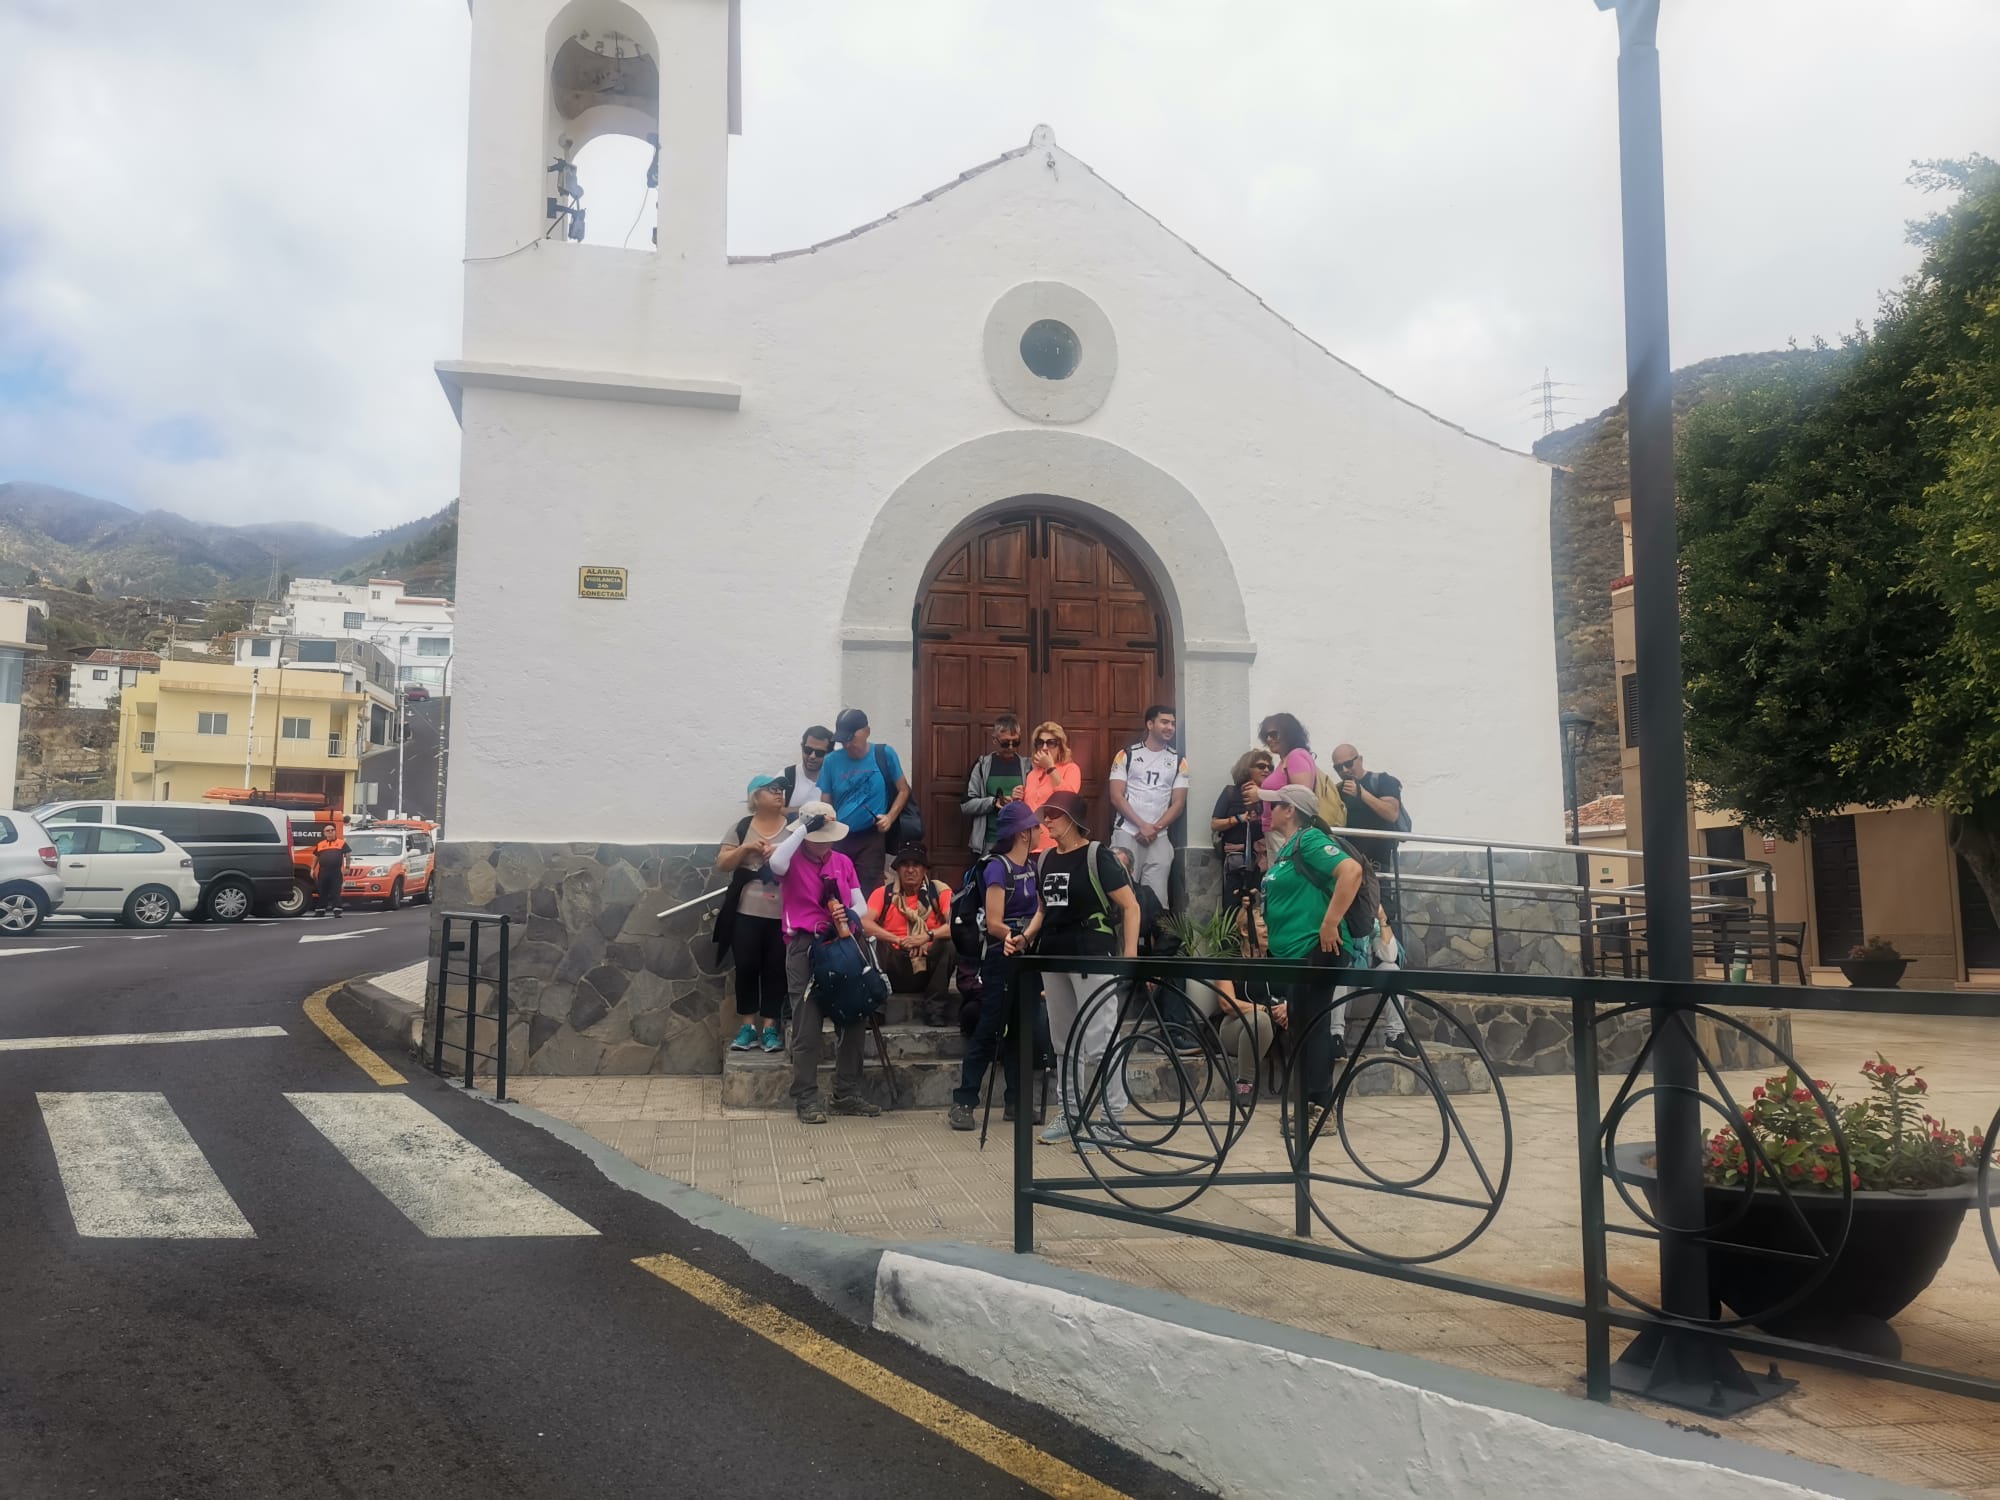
[915,911]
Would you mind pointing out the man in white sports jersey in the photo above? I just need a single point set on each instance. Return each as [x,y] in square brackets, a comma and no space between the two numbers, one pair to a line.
[1148,786]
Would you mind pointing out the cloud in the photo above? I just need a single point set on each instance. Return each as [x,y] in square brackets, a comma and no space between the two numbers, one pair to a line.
[230,240]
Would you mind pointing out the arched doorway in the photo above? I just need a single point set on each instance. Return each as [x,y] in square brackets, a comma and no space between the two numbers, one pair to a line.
[1032,612]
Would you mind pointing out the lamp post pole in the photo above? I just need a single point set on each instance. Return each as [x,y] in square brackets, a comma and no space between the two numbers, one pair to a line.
[1576,729]
[443,703]
[1673,1368]
[402,726]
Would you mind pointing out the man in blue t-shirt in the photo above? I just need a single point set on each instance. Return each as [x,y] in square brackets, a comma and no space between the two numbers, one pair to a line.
[867,787]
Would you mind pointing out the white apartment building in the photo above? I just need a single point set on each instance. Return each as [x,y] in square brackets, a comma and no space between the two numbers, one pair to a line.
[96,681]
[413,630]
[14,650]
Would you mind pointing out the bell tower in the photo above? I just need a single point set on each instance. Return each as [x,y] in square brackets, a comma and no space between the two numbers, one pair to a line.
[548,77]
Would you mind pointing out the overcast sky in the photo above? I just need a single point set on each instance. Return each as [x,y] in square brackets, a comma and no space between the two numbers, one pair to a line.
[230,233]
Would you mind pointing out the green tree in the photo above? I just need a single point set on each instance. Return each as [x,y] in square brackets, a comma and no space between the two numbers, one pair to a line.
[1841,609]
[81,586]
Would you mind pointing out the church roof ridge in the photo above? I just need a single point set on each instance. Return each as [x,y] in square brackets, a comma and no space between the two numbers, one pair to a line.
[1043,138]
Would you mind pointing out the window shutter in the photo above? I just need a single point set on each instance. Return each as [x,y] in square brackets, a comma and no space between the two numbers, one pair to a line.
[1629,688]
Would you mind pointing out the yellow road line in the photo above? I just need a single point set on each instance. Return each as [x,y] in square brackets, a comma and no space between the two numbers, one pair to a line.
[358,1051]
[977,1436]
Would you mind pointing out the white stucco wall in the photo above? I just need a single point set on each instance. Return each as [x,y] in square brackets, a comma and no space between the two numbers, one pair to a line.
[1348,558]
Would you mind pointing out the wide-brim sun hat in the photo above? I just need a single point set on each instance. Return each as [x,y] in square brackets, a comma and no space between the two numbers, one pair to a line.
[832,831]
[1070,805]
[1304,798]
[1016,818]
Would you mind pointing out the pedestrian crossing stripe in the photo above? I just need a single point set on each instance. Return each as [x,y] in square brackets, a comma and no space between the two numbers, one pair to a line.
[131,1170]
[443,1184]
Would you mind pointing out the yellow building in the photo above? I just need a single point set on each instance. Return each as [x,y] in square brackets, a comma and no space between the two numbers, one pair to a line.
[293,716]
[1864,872]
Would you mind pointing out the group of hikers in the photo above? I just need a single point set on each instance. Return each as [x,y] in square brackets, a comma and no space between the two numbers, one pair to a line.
[832,904]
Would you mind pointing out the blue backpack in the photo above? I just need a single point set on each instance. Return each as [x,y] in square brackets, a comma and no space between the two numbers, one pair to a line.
[846,985]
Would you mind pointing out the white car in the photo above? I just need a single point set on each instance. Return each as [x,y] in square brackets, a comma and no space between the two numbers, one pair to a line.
[134,875]
[30,879]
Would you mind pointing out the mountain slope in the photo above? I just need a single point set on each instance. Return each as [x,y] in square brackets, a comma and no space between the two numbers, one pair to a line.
[60,535]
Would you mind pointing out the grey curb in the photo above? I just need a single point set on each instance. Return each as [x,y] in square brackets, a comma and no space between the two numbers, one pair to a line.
[398,1022]
[844,1272]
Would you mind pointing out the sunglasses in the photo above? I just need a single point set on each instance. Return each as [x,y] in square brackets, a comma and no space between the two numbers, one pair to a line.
[1047,744]
[1342,765]
[814,751]
[1013,744]
[1260,765]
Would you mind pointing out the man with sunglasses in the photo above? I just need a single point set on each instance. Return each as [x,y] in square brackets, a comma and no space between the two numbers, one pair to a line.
[1374,801]
[802,780]
[995,781]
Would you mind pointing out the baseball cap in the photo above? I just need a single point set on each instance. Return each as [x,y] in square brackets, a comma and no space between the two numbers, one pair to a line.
[1304,798]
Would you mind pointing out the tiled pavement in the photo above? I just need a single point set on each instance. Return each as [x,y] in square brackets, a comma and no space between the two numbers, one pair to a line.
[906,1176]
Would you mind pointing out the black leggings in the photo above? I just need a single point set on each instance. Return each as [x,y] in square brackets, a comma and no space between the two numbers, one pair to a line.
[759,946]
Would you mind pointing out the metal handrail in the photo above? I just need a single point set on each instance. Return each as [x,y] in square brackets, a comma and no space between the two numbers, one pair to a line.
[1155,1166]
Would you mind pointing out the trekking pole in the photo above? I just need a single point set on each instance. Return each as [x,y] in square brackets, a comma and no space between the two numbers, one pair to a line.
[721,890]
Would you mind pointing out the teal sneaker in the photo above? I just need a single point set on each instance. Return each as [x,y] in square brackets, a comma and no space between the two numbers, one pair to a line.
[1057,1131]
[772,1041]
[746,1040]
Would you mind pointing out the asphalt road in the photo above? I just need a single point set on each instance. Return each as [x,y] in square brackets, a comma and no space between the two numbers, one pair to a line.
[211,1289]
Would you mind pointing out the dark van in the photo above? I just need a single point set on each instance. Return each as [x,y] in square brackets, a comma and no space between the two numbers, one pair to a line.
[242,855]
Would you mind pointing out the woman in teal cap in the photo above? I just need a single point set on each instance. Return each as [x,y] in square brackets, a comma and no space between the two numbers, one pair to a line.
[751,922]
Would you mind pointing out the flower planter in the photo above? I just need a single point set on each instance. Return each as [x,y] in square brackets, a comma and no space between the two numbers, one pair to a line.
[1896,1244]
[1874,973]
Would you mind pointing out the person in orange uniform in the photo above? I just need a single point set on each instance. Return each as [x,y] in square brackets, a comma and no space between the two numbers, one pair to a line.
[330,855]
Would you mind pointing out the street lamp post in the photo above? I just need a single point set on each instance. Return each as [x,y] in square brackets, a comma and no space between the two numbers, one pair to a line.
[1576,730]
[1675,1368]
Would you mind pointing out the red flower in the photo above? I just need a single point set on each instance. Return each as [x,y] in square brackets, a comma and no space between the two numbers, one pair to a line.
[1800,1096]
[1820,1084]
[1757,1092]
[1830,1149]
[1855,1179]
[1957,1159]
[1798,1170]
[1820,1174]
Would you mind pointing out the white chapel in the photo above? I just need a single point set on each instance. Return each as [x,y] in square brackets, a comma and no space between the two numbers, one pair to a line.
[1014,446]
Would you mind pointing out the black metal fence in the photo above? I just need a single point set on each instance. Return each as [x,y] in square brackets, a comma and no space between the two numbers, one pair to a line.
[1438,888]
[1167,1083]
[462,935]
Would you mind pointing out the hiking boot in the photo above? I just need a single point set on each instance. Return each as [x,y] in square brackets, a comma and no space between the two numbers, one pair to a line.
[812,1110]
[1402,1042]
[854,1104]
[960,1117]
[772,1041]
[746,1038]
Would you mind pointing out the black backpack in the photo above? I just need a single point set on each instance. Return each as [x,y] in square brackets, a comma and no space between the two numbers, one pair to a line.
[846,985]
[725,914]
[1368,899]
[968,915]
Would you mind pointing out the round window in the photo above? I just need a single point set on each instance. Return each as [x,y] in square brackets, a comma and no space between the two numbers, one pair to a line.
[1051,349]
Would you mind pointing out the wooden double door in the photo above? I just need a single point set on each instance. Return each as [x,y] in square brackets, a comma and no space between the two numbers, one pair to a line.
[1031,614]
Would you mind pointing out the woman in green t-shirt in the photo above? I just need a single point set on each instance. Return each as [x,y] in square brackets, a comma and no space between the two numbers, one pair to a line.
[1309,898]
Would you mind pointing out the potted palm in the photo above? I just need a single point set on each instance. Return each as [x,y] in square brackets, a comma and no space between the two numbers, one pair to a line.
[1911,1180]
[1874,965]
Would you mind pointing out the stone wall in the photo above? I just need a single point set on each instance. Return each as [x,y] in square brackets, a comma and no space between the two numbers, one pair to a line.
[597,982]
